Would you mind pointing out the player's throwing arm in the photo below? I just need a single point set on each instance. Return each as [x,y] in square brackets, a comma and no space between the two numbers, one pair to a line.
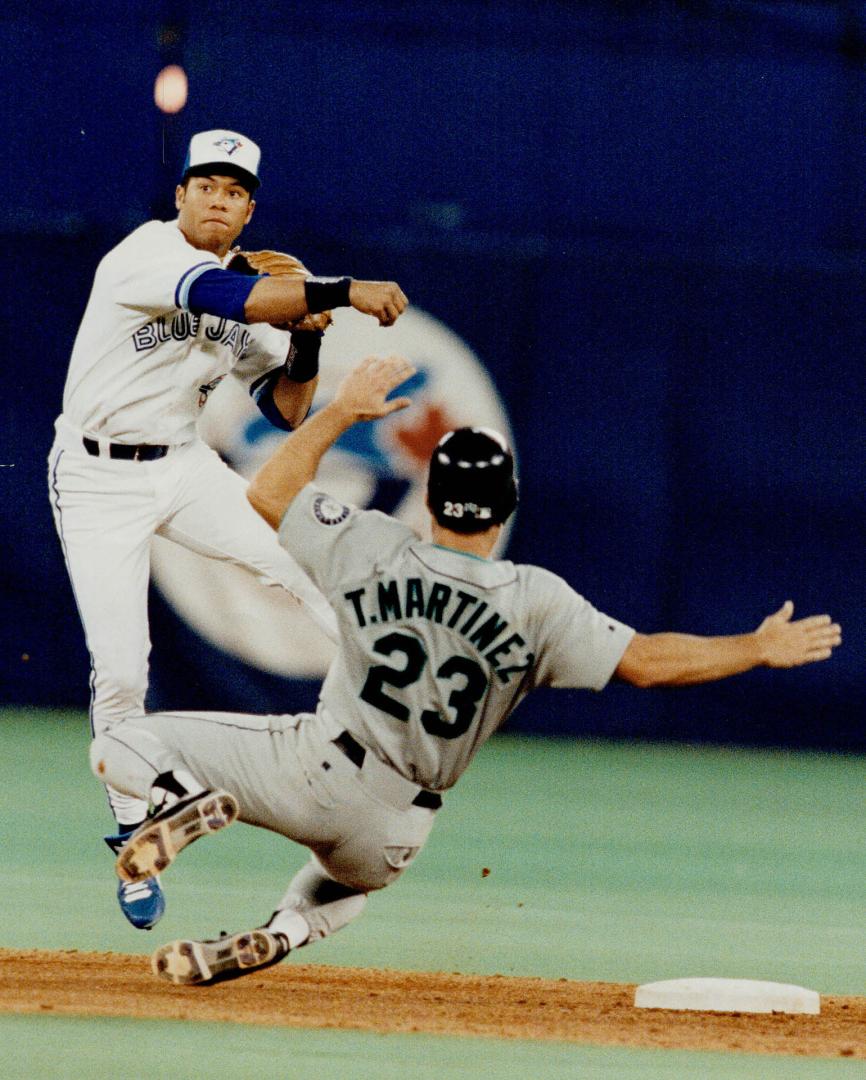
[284,299]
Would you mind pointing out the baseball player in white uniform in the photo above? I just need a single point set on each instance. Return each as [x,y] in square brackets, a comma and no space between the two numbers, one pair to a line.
[165,322]
[438,643]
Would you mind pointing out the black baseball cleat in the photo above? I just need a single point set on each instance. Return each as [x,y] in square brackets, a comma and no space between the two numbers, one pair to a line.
[157,843]
[202,963]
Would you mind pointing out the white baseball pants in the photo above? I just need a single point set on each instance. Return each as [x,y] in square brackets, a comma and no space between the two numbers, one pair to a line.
[107,512]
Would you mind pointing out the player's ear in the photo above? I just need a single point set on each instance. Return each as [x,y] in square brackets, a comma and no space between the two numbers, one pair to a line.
[179,193]
[250,209]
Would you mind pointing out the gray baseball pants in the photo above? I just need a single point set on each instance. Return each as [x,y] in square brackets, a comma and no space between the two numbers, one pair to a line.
[288,776]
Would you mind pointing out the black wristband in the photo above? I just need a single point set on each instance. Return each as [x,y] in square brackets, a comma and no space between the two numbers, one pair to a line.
[302,363]
[326,293]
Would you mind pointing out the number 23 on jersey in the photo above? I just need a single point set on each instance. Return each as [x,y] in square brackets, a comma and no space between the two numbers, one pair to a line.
[469,677]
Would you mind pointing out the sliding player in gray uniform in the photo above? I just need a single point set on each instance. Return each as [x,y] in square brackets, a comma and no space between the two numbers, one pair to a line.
[165,323]
[439,642]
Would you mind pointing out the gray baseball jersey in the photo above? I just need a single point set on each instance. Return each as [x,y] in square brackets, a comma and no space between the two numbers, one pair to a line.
[437,647]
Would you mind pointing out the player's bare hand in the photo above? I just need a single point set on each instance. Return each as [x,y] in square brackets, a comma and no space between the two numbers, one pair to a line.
[384,300]
[363,393]
[785,643]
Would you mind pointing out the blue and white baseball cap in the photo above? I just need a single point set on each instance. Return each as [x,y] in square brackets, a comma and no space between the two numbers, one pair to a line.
[223,153]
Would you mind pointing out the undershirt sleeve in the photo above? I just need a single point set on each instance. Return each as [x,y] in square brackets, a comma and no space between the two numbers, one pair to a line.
[208,290]
[262,393]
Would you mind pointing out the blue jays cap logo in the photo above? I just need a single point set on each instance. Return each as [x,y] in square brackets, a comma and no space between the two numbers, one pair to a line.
[228,144]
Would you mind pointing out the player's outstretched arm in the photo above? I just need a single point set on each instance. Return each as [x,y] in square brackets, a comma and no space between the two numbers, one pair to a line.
[285,299]
[362,395]
[671,659]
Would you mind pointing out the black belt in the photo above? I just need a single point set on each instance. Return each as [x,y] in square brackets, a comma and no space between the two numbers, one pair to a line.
[142,452]
[356,754]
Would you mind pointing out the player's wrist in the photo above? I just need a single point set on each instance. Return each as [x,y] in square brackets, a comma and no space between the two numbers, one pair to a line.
[323,294]
[757,648]
[302,363]
[342,412]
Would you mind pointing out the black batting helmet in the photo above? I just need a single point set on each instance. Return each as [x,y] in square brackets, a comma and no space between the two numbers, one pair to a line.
[471,482]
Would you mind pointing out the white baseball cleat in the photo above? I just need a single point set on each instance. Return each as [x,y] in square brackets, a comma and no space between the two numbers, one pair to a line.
[157,843]
[200,963]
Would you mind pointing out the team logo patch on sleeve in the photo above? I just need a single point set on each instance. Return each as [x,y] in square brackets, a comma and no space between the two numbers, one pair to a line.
[328,511]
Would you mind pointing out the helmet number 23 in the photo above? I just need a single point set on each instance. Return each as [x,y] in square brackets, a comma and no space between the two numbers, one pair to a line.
[463,699]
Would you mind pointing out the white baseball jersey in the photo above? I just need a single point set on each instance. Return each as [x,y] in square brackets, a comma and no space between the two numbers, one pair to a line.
[143,365]
[437,647]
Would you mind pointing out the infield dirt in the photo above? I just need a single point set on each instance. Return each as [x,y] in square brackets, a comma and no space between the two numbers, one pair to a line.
[76,983]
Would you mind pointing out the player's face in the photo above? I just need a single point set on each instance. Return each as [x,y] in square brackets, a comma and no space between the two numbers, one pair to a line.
[212,211]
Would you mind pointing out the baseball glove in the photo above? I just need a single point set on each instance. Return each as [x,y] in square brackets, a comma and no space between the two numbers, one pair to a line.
[278,264]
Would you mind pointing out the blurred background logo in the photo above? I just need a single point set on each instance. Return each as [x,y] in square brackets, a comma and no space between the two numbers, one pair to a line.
[380,466]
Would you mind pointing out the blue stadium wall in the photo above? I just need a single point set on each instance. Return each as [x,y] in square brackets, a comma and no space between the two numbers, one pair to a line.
[647,219]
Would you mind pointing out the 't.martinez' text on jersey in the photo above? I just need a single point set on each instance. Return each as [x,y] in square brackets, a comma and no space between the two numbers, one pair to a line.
[393,600]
